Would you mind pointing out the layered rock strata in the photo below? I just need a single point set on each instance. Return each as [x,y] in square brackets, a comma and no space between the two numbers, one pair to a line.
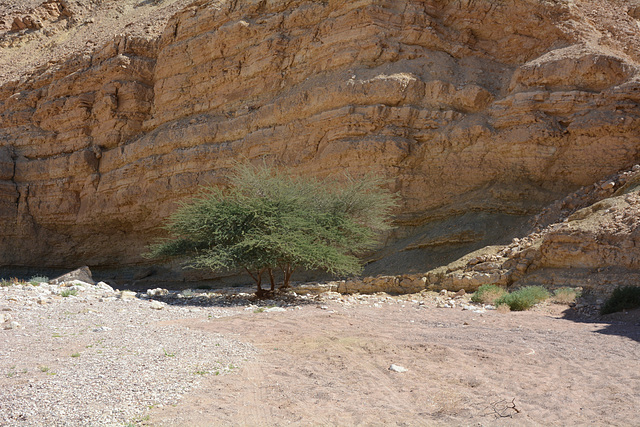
[589,239]
[472,118]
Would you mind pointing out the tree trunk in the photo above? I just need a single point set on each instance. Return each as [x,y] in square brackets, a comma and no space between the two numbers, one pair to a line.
[258,279]
[287,270]
[272,279]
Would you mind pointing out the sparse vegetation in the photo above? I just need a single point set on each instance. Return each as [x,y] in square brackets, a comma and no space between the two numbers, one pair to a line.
[622,298]
[524,298]
[566,295]
[75,355]
[68,292]
[12,372]
[36,280]
[488,294]
[268,220]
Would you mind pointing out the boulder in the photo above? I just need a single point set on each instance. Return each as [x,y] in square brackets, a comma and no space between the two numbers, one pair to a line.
[82,274]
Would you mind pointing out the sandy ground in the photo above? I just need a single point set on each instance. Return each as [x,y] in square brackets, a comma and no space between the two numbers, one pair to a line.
[328,364]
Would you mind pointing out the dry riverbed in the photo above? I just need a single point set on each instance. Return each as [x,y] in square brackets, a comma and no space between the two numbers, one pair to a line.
[209,358]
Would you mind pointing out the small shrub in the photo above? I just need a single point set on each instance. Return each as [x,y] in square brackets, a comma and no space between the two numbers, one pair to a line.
[36,280]
[566,295]
[488,294]
[622,298]
[75,355]
[68,292]
[524,298]
[5,283]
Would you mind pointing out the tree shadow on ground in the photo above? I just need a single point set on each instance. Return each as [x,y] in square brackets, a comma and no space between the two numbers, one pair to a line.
[625,324]
[233,298]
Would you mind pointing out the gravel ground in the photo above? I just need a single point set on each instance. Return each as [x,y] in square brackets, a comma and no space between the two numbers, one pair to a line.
[93,359]
[104,357]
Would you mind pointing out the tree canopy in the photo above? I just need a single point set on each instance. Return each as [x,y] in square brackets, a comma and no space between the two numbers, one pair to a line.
[267,219]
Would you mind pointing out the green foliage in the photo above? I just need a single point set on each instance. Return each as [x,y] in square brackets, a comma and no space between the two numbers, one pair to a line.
[524,298]
[622,298]
[68,292]
[488,294]
[36,280]
[268,220]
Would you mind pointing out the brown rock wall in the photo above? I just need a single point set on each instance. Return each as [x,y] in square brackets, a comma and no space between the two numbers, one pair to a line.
[464,112]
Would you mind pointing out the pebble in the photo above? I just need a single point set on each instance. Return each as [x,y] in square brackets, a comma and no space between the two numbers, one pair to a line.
[397,368]
[129,363]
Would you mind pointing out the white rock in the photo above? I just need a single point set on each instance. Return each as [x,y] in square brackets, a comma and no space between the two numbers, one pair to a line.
[157,292]
[156,305]
[102,329]
[127,295]
[397,368]
[11,325]
[104,287]
[274,309]
[78,283]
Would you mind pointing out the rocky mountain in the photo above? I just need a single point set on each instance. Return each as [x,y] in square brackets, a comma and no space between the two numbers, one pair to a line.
[481,112]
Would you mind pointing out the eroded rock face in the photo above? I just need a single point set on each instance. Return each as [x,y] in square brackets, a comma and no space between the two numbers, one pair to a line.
[465,113]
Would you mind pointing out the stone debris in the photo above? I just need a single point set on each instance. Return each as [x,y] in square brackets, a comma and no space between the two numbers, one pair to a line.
[130,359]
[397,368]
[158,292]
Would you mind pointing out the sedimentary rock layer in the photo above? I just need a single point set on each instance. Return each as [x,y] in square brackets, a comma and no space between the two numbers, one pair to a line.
[471,108]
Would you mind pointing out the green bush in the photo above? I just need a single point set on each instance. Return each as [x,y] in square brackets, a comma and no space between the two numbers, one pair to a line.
[625,298]
[524,298]
[488,294]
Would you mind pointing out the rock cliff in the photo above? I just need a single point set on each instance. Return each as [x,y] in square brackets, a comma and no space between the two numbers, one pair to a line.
[481,112]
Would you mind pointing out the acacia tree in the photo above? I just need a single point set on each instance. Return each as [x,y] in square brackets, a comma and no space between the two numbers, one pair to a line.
[269,220]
